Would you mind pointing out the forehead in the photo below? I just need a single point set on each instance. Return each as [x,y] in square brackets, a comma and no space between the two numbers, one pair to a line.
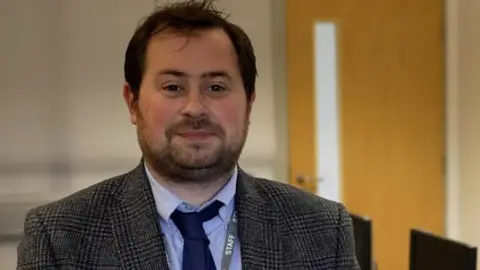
[199,51]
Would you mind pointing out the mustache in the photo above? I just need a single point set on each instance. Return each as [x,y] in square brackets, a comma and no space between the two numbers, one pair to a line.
[192,124]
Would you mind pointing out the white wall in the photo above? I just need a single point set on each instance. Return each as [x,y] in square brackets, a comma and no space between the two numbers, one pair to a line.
[469,119]
[463,126]
[27,124]
[62,73]
[62,78]
[452,121]
[8,256]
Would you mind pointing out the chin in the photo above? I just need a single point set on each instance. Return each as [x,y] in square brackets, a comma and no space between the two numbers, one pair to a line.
[199,158]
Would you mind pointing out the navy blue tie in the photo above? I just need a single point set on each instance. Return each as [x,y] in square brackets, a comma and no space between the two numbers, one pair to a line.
[196,251]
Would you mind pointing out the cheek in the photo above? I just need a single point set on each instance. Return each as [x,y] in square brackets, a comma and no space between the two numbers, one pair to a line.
[232,117]
[157,115]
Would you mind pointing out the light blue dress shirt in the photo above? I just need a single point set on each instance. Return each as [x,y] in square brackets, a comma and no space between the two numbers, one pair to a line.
[216,228]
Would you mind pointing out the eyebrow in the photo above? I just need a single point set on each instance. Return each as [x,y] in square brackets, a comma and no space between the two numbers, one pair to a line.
[210,74]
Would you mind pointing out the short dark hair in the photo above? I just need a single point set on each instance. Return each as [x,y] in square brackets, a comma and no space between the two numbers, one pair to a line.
[187,17]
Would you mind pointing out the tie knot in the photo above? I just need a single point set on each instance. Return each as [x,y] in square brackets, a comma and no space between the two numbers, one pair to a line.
[190,225]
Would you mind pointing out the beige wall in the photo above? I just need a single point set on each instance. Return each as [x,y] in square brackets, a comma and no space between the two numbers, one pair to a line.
[75,112]
[469,119]
[452,123]
[66,56]
[463,125]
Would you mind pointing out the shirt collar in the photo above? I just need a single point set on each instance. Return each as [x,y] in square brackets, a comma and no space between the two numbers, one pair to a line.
[166,202]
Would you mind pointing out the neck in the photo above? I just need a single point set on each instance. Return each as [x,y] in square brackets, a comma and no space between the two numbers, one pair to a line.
[192,193]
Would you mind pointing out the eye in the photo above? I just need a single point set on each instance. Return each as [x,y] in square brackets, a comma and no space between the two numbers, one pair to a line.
[216,88]
[171,88]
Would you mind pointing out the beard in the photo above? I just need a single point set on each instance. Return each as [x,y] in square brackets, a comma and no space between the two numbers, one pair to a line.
[195,162]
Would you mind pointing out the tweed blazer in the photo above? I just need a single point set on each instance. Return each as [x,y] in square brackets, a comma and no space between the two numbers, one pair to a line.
[114,225]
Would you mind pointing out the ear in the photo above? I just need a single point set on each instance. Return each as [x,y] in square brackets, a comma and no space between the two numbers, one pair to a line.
[132,103]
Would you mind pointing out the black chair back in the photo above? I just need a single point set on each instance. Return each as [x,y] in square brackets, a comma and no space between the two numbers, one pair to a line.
[362,229]
[433,252]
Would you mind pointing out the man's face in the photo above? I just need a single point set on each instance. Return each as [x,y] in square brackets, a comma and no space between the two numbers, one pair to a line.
[192,114]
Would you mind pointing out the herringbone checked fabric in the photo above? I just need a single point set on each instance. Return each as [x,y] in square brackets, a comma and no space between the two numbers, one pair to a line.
[114,225]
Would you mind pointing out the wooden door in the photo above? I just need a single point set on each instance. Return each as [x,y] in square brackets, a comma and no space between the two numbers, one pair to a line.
[391,106]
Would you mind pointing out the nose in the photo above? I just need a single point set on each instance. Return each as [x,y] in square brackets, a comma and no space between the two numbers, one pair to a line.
[194,105]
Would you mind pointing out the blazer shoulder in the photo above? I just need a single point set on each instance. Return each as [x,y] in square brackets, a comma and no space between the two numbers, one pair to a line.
[295,202]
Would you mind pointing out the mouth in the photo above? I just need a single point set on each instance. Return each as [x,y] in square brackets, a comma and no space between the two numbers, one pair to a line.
[196,135]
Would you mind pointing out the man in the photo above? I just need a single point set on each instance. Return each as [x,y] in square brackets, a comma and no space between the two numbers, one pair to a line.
[190,87]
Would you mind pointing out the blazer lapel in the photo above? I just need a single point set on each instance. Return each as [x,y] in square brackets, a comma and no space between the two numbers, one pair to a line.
[135,225]
[259,227]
